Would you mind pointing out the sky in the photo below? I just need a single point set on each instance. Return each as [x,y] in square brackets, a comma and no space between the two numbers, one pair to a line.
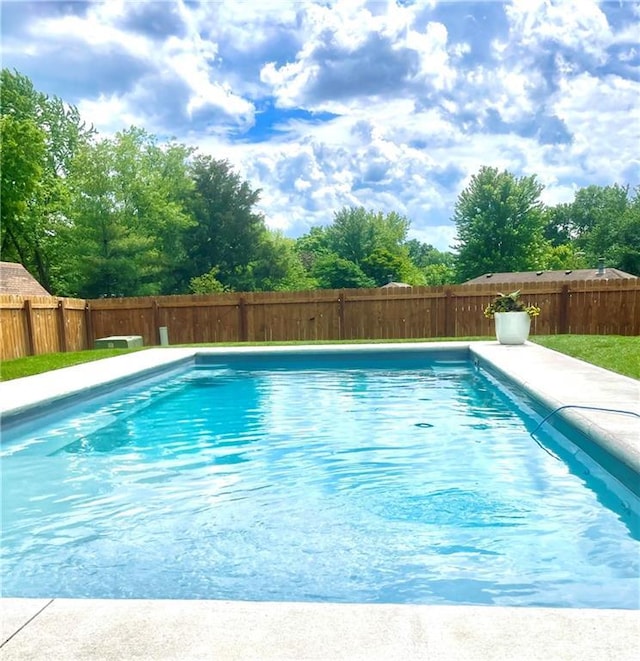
[388,104]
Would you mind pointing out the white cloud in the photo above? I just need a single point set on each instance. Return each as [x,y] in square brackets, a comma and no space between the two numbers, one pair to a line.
[441,237]
[110,113]
[94,31]
[554,193]
[186,58]
[599,112]
[349,54]
[578,24]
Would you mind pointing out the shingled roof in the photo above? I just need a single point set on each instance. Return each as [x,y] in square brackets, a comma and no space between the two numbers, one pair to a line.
[551,276]
[393,285]
[15,279]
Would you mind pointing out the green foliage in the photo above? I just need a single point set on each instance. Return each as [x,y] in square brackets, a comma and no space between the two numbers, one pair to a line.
[596,205]
[356,233]
[311,245]
[419,253]
[227,231]
[21,174]
[207,283]
[278,267]
[436,275]
[509,303]
[615,233]
[128,215]
[563,257]
[334,272]
[424,254]
[383,266]
[602,221]
[558,225]
[499,224]
[437,267]
[40,137]
[625,249]
[359,249]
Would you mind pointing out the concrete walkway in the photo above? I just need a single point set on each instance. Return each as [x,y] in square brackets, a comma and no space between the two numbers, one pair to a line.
[69,630]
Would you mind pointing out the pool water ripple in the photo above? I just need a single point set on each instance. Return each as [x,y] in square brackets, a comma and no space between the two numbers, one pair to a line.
[354,485]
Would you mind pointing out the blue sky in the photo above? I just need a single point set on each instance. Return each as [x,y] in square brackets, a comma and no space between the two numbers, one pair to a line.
[388,104]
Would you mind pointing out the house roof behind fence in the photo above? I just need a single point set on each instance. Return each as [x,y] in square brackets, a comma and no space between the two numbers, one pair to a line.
[391,285]
[551,276]
[16,280]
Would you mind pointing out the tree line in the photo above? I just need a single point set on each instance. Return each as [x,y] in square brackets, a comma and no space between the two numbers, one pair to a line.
[128,215]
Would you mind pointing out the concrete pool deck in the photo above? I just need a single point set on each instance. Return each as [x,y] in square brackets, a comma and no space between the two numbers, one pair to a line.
[157,629]
[69,629]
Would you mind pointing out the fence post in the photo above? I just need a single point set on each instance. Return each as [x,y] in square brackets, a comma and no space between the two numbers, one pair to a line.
[242,320]
[563,311]
[449,319]
[88,325]
[341,301]
[62,325]
[156,322]
[28,317]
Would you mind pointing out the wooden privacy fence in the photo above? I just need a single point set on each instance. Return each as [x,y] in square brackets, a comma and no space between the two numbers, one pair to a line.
[42,324]
[46,324]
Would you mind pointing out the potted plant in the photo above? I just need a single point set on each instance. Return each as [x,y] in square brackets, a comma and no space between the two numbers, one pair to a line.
[512,316]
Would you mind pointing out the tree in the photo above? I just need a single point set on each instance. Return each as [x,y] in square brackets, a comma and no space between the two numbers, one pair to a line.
[372,242]
[436,275]
[596,205]
[499,223]
[616,237]
[278,267]
[128,215]
[311,245]
[602,221]
[334,272]
[21,174]
[40,137]
[356,233]
[563,257]
[207,283]
[437,267]
[227,231]
[625,253]
[559,228]
[383,266]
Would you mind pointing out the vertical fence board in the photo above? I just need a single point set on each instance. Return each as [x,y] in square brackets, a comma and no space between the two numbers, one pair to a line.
[62,325]
[28,324]
[13,333]
[75,324]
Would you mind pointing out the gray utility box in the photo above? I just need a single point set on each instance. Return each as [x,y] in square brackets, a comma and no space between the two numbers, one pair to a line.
[118,342]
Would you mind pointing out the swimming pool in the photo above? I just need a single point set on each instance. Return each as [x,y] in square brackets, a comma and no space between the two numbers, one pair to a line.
[378,478]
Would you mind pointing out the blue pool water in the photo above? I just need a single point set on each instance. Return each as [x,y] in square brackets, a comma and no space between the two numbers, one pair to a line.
[402,481]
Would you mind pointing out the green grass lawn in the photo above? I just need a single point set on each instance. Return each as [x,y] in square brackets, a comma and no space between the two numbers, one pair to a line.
[613,352]
[28,365]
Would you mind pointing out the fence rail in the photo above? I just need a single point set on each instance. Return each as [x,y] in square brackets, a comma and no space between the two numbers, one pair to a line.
[42,324]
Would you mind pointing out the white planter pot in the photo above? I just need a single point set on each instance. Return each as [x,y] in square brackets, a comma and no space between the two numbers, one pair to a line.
[512,327]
